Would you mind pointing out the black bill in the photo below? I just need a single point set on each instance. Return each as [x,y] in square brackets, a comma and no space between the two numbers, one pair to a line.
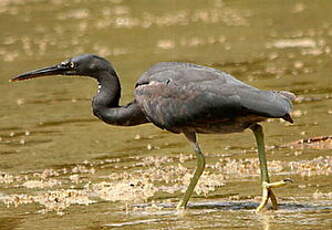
[51,70]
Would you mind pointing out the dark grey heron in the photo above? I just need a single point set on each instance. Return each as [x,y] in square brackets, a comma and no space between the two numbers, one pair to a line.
[183,98]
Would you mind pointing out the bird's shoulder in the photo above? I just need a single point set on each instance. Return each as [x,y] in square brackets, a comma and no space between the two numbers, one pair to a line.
[178,82]
[171,94]
[182,73]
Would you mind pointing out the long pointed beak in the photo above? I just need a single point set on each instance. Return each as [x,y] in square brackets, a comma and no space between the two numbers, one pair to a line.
[51,70]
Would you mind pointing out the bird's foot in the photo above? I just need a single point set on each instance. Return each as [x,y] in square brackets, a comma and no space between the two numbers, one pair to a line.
[181,205]
[268,194]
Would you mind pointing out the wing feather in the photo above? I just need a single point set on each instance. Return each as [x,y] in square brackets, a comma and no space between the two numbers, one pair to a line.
[180,94]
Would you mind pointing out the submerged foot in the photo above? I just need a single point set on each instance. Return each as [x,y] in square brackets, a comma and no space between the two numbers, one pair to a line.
[181,205]
[267,193]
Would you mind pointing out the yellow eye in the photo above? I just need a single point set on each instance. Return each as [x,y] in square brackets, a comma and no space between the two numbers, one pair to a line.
[71,65]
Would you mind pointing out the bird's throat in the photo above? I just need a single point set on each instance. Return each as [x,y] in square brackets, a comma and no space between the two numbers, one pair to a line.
[109,91]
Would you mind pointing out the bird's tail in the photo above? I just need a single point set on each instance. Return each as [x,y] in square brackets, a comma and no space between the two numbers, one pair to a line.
[288,118]
[291,97]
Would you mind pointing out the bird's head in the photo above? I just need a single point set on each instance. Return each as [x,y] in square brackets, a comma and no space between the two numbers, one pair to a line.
[84,65]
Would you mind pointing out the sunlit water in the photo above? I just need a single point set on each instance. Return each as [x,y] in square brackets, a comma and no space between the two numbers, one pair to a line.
[61,168]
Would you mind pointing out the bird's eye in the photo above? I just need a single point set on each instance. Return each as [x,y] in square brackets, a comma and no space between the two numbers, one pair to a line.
[71,64]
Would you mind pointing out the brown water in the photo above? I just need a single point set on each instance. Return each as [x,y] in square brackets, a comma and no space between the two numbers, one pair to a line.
[61,168]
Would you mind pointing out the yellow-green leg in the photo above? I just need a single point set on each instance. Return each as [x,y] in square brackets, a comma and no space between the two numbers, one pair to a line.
[199,170]
[265,180]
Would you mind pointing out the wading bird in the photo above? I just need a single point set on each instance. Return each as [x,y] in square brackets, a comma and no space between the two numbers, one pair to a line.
[183,98]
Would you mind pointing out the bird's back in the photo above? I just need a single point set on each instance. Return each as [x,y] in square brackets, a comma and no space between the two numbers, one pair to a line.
[178,96]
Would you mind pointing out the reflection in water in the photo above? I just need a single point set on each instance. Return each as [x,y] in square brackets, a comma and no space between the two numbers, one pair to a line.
[64,122]
[266,220]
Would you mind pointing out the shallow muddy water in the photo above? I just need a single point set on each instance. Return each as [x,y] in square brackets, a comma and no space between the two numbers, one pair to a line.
[61,168]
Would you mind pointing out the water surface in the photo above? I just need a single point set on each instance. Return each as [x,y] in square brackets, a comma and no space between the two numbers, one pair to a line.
[61,168]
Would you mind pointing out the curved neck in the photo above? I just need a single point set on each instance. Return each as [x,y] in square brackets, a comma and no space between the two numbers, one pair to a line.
[105,104]
[109,90]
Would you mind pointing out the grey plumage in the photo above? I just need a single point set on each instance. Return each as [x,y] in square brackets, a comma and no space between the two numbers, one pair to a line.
[177,96]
